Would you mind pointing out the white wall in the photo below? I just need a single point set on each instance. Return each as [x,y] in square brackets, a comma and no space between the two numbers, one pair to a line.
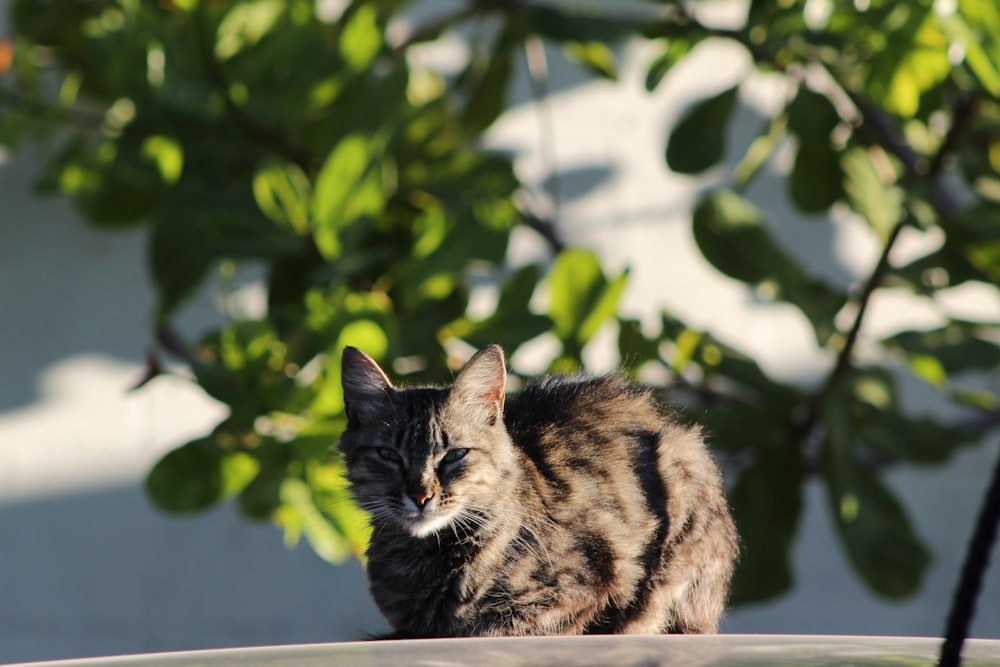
[88,567]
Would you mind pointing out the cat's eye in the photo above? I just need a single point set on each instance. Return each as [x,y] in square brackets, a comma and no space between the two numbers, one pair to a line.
[387,454]
[454,455]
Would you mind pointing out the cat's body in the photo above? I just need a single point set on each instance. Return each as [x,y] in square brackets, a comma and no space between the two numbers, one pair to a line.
[576,508]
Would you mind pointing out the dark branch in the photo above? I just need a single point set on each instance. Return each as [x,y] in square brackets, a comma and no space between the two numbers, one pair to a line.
[544,228]
[964,110]
[973,569]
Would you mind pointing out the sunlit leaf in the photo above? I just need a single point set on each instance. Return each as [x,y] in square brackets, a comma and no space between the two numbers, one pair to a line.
[581,297]
[348,187]
[976,26]
[760,151]
[673,53]
[365,335]
[167,154]
[282,192]
[299,516]
[245,24]
[914,60]
[595,56]
[881,205]
[361,38]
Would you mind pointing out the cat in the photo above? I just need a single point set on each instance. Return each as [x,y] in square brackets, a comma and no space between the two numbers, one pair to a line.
[573,507]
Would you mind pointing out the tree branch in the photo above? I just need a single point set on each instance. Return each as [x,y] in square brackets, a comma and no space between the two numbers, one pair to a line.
[544,228]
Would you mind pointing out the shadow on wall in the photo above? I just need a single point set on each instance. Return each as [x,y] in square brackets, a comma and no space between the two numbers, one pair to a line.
[101,573]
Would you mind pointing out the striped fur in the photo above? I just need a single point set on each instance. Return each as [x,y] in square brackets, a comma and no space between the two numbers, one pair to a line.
[576,508]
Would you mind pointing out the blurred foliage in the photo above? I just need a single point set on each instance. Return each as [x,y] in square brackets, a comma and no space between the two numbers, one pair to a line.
[305,140]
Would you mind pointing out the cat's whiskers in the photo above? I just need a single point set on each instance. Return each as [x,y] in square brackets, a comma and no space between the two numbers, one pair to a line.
[528,520]
[481,517]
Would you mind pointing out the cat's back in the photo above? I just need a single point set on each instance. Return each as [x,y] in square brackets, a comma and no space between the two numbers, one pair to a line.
[581,412]
[632,485]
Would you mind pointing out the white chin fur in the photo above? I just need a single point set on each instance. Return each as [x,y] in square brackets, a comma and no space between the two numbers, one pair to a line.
[425,526]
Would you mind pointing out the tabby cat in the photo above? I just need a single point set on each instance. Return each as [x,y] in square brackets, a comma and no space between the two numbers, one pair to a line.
[573,507]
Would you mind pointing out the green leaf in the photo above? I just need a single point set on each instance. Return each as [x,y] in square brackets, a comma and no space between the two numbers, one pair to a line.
[361,38]
[767,503]
[675,50]
[595,56]
[166,154]
[244,366]
[197,475]
[635,349]
[731,234]
[488,95]
[577,24]
[262,496]
[867,401]
[976,27]
[512,323]
[812,116]
[199,226]
[920,440]
[581,297]
[299,515]
[879,204]
[876,532]
[761,149]
[245,24]
[699,139]
[349,187]
[125,181]
[282,191]
[816,181]
[874,528]
[327,478]
[913,61]
[956,347]
[182,250]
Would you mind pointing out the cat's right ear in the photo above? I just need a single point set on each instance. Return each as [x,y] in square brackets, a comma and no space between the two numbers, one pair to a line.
[478,391]
[367,389]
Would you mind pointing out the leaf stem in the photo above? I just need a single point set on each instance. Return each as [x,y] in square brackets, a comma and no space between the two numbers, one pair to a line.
[864,299]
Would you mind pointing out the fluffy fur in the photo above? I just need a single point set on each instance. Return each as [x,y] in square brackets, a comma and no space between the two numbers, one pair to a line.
[574,507]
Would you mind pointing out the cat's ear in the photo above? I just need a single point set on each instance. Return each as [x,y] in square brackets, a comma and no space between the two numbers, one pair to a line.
[367,389]
[479,389]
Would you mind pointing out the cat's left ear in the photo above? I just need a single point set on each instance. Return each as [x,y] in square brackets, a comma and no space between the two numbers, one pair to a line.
[479,388]
[367,389]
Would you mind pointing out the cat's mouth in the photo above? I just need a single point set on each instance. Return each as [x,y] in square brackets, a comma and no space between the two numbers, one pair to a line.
[425,521]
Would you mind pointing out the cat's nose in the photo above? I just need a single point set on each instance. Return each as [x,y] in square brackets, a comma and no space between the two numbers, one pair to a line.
[421,498]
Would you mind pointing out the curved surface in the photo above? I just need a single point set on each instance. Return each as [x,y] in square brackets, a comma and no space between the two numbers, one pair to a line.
[617,651]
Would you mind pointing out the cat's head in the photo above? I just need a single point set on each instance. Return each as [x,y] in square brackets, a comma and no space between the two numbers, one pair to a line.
[427,458]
